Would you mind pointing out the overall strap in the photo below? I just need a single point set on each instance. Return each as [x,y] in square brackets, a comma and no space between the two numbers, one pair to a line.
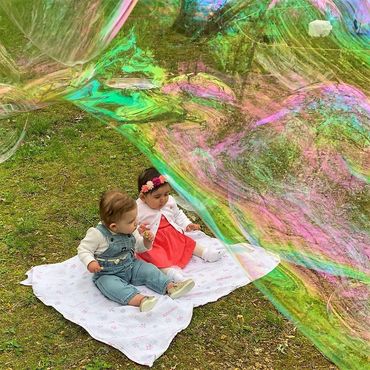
[104,230]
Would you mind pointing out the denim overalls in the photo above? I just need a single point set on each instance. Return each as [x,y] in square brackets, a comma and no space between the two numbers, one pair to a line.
[121,270]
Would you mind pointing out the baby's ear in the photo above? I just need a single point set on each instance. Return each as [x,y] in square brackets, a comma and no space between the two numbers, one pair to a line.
[112,226]
[142,197]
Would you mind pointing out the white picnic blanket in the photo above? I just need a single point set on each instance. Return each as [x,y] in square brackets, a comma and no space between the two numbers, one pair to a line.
[143,337]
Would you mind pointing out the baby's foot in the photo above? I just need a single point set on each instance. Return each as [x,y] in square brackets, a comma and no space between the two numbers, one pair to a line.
[212,255]
[175,274]
[147,303]
[181,288]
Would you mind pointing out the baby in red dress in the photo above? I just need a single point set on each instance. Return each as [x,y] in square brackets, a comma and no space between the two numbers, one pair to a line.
[165,225]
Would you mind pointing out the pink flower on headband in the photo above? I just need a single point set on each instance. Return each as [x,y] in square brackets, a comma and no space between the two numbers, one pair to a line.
[156,181]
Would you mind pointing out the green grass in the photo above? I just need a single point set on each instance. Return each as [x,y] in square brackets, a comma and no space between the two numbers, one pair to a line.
[49,192]
[48,198]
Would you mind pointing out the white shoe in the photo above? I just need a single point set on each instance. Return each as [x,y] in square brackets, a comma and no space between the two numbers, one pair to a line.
[175,274]
[147,303]
[212,255]
[181,288]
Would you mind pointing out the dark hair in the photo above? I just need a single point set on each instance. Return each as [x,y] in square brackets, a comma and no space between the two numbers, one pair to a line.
[113,205]
[148,175]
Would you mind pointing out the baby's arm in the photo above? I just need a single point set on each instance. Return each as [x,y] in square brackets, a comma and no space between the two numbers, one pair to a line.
[88,245]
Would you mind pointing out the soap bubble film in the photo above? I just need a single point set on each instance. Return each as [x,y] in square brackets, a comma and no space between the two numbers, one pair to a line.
[258,113]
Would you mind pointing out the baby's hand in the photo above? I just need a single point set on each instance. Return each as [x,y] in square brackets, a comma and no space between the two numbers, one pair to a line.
[142,228]
[93,267]
[192,227]
[146,233]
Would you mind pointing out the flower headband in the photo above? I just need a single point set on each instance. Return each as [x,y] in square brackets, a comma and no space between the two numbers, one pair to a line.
[154,183]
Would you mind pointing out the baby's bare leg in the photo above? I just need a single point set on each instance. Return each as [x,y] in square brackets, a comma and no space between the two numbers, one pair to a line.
[136,300]
[198,250]
[174,273]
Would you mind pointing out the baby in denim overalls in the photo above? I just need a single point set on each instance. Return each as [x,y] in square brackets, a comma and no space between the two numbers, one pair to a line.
[108,251]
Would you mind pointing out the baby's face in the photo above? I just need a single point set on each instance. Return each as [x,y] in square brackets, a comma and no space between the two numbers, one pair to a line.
[127,224]
[158,198]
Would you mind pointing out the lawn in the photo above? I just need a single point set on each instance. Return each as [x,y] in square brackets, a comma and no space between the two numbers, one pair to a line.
[48,198]
[49,192]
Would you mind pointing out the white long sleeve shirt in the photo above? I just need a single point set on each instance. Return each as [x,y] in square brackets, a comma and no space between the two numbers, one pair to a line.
[152,217]
[95,243]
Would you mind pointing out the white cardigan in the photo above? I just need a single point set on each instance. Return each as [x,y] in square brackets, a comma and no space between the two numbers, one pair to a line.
[152,217]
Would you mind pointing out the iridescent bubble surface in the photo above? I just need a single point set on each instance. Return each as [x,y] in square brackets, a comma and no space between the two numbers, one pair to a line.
[261,127]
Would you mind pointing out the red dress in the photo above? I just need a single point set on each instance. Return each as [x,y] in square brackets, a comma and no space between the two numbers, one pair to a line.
[170,247]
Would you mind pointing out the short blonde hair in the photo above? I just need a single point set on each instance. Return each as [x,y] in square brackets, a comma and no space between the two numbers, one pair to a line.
[113,205]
